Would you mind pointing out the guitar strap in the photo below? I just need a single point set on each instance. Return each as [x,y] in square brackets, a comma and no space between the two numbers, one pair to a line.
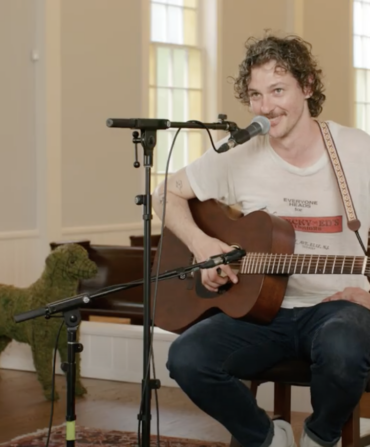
[353,223]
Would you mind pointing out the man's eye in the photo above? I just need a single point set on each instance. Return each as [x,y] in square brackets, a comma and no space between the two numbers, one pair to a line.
[278,90]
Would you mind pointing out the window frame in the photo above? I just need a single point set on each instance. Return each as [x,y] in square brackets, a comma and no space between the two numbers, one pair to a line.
[363,123]
[158,174]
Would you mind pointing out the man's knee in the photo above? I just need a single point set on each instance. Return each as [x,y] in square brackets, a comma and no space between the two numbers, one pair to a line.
[175,359]
[184,361]
[342,346]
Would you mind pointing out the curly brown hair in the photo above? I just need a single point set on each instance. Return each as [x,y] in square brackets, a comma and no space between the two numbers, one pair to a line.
[291,53]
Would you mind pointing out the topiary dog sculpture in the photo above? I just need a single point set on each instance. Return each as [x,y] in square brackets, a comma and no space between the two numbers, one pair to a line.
[64,267]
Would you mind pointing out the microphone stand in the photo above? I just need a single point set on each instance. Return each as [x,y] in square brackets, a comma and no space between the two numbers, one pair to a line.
[148,138]
[72,317]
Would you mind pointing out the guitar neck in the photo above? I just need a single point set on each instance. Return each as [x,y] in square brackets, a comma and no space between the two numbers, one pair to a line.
[274,264]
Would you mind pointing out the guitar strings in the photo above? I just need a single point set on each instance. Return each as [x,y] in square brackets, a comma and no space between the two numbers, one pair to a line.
[260,262]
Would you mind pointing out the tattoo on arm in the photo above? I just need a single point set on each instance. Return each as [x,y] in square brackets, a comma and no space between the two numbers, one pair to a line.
[179,185]
[161,199]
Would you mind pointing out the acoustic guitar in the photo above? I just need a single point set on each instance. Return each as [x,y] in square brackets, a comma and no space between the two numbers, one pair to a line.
[263,273]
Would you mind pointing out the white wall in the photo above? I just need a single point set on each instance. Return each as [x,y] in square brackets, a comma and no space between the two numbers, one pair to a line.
[17,125]
[19,234]
[101,78]
[328,26]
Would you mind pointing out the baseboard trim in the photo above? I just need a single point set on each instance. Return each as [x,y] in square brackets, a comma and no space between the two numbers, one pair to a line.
[111,351]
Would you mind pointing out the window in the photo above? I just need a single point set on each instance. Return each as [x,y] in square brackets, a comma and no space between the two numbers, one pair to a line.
[175,80]
[361,52]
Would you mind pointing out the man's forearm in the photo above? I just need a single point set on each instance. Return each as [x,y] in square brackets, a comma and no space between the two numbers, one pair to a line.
[178,217]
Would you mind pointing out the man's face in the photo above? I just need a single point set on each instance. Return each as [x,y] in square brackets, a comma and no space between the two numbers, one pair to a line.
[277,95]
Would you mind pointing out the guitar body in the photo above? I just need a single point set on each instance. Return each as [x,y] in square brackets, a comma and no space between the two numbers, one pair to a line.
[180,303]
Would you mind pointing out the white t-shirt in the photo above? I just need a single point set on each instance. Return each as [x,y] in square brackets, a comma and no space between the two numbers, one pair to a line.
[254,176]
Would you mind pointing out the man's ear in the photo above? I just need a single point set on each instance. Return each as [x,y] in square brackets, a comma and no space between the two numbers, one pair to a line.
[307,89]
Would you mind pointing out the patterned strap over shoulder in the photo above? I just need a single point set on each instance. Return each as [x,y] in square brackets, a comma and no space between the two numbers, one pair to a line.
[353,223]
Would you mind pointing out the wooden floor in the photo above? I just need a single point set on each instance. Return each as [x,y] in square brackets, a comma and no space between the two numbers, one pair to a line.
[109,405]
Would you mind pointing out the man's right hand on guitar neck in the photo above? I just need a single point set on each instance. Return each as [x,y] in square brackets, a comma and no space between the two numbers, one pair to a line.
[205,247]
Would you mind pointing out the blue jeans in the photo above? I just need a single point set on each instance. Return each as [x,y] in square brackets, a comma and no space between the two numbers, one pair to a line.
[207,360]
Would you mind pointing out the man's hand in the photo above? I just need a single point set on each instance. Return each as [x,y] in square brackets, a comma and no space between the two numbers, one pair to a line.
[205,248]
[353,294]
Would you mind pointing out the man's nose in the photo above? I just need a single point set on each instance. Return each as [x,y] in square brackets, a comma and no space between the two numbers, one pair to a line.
[266,106]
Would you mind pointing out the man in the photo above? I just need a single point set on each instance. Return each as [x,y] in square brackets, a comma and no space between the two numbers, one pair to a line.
[324,318]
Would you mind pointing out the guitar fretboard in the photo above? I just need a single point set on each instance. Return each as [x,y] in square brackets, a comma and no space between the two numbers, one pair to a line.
[294,264]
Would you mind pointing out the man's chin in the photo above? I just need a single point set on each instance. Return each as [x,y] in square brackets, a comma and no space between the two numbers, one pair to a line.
[277,134]
[280,131]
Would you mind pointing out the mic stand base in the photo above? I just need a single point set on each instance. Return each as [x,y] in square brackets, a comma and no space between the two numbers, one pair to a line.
[72,320]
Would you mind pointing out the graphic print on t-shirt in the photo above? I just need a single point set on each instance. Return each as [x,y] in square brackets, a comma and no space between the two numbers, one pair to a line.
[316,224]
[300,205]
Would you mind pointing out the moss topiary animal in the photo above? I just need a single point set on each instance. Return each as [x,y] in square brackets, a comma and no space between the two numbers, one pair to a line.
[64,267]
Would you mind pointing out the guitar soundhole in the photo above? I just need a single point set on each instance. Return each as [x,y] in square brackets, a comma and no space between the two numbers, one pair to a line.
[224,288]
[202,292]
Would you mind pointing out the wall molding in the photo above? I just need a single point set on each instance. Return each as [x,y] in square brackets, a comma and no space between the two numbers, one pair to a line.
[22,234]
[112,228]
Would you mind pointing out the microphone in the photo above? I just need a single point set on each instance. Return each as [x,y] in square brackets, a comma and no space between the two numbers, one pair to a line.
[259,125]
[223,258]
[138,123]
